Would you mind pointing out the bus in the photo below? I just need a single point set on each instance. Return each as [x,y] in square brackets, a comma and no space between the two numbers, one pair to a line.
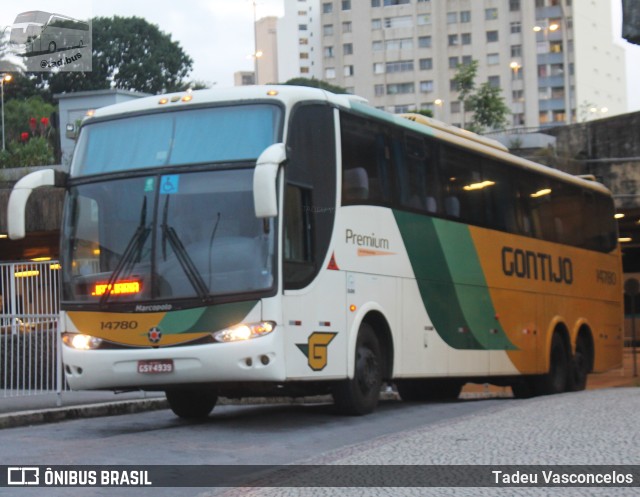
[42,32]
[280,240]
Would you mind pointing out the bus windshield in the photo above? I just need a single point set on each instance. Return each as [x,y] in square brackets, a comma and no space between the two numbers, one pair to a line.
[194,136]
[192,235]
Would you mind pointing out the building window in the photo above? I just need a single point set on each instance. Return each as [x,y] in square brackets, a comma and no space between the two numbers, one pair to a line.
[516,50]
[517,95]
[378,90]
[426,86]
[375,3]
[399,66]
[347,27]
[555,47]
[453,62]
[518,119]
[376,24]
[557,92]
[302,27]
[400,88]
[328,52]
[516,27]
[514,5]
[347,49]
[490,14]
[330,73]
[304,70]
[303,41]
[399,44]
[348,70]
[346,4]
[467,60]
[492,36]
[388,3]
[424,19]
[453,85]
[493,59]
[453,40]
[559,116]
[327,30]
[398,22]
[466,38]
[494,81]
[465,16]
[454,107]
[452,17]
[426,64]
[377,46]
[424,41]
[378,68]
[327,8]
[304,55]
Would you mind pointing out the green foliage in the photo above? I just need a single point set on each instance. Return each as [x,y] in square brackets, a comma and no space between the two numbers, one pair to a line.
[424,112]
[486,103]
[316,83]
[35,152]
[129,53]
[489,109]
[18,112]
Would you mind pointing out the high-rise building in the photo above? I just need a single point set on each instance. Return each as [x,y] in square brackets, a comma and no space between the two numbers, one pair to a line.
[266,55]
[555,60]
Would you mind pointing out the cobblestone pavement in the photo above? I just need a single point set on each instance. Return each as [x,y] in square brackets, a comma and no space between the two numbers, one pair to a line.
[597,427]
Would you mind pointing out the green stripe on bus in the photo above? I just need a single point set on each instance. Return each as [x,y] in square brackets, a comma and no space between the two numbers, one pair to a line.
[451,282]
[212,318]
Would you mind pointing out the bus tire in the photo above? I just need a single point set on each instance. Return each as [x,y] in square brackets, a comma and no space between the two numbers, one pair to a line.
[580,365]
[557,379]
[191,403]
[359,395]
[52,47]
[424,390]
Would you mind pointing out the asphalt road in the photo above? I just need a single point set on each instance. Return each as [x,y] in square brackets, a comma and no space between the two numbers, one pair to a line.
[593,427]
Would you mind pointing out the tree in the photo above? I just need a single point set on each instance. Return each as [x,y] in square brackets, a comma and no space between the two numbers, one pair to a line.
[486,103]
[129,53]
[488,107]
[316,83]
[465,84]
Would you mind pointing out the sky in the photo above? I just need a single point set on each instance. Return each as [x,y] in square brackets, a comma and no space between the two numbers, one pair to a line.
[218,34]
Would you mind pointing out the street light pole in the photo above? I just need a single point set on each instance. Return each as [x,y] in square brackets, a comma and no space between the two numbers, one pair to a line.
[3,78]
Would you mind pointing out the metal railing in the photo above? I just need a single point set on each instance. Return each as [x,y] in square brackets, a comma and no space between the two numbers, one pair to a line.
[30,361]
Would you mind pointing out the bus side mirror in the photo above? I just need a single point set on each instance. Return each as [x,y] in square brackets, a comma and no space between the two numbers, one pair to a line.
[265,198]
[20,194]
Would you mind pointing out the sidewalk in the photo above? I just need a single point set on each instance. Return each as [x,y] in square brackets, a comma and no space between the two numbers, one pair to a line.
[49,407]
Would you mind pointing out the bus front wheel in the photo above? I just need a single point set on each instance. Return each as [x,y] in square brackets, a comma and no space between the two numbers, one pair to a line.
[191,403]
[359,395]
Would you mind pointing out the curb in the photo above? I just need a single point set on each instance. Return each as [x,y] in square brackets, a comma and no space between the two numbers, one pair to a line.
[40,416]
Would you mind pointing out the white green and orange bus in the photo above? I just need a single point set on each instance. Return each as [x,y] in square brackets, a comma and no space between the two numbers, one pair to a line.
[289,241]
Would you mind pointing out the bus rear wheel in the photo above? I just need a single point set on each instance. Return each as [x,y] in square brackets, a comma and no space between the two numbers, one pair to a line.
[580,365]
[557,379]
[359,395]
[52,47]
[191,403]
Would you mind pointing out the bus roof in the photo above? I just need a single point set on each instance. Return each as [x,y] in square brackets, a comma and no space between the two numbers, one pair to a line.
[290,95]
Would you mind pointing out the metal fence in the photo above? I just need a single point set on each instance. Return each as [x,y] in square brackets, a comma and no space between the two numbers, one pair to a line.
[30,361]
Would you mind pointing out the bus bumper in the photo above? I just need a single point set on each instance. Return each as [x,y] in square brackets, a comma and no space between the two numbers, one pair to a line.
[256,360]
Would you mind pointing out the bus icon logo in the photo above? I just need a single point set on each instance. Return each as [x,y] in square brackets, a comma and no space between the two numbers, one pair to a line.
[23,476]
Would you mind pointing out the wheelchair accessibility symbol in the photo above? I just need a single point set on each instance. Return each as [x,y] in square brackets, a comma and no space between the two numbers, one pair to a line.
[169,184]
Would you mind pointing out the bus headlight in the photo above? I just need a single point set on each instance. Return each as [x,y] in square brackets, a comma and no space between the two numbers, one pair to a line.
[245,331]
[79,341]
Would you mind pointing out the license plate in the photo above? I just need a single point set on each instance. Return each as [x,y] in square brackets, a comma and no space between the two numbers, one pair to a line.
[155,366]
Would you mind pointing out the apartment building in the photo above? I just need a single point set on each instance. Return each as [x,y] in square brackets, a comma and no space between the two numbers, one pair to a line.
[555,60]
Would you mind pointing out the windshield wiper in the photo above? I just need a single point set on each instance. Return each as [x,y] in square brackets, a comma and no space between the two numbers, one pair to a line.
[187,265]
[135,245]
